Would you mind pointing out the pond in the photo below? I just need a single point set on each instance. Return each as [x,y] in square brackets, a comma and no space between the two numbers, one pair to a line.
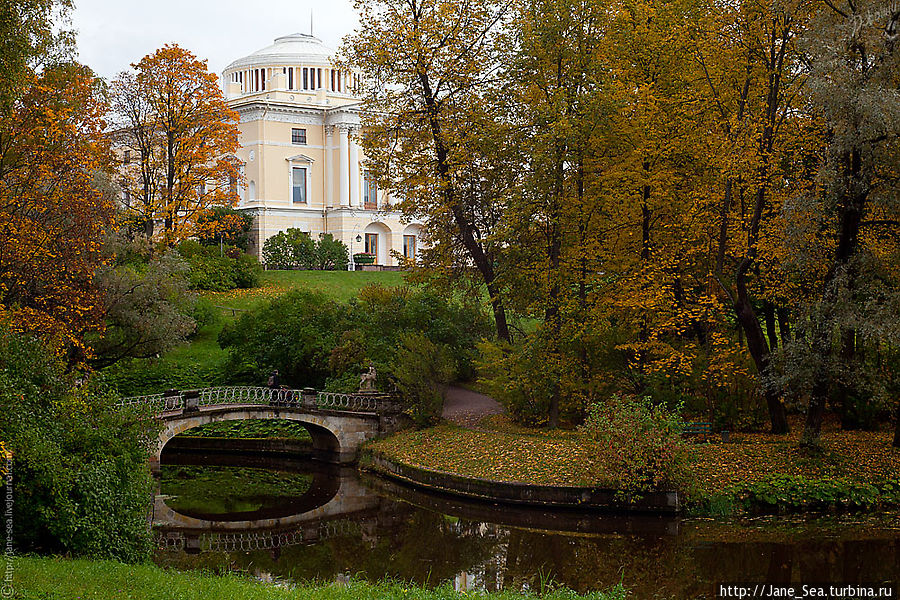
[298,520]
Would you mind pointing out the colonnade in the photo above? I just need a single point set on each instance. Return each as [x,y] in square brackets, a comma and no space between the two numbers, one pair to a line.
[348,167]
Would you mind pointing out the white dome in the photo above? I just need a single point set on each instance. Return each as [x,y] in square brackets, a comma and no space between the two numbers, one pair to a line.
[297,48]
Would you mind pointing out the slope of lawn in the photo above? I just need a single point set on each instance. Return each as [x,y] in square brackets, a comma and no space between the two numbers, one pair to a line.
[200,362]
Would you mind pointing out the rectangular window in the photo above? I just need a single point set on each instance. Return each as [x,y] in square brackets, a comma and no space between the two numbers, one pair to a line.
[372,244]
[126,157]
[339,80]
[409,247]
[298,136]
[298,185]
[331,71]
[290,74]
[319,78]
[305,79]
[370,191]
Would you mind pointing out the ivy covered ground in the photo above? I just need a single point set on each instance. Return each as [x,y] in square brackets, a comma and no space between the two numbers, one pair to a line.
[754,471]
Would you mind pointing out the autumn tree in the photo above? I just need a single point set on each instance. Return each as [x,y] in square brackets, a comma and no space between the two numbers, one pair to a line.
[755,75]
[846,228]
[28,38]
[52,214]
[429,67]
[177,139]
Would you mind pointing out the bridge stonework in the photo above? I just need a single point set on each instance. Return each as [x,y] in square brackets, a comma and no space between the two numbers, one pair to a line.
[338,424]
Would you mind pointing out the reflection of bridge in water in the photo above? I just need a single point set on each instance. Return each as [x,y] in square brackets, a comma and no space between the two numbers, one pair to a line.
[337,423]
[336,504]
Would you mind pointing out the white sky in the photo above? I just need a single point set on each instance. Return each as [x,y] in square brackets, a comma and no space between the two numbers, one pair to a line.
[114,34]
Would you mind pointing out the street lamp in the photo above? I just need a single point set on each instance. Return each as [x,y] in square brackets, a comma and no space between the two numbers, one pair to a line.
[352,259]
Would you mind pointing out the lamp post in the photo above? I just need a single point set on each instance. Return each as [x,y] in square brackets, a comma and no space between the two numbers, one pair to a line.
[352,260]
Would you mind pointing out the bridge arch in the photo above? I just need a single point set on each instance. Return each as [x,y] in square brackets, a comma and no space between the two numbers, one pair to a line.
[335,438]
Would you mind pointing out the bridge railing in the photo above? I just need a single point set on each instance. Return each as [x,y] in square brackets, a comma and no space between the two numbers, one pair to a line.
[252,540]
[156,403]
[262,396]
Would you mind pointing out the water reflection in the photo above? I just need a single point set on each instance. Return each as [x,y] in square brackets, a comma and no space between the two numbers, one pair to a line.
[371,528]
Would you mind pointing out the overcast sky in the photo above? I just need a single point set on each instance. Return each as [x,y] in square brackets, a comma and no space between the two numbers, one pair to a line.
[114,34]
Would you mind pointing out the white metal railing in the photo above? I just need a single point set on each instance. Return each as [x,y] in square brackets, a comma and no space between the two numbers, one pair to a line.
[157,403]
[261,396]
[352,402]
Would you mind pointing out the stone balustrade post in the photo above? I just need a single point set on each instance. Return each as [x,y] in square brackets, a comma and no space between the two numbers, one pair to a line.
[191,401]
[309,398]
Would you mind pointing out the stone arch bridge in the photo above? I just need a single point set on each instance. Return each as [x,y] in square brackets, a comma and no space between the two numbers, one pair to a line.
[337,423]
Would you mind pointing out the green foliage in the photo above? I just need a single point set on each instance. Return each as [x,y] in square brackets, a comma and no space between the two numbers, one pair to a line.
[225,225]
[81,477]
[146,304]
[295,249]
[219,269]
[294,334]
[314,341]
[512,376]
[641,441]
[250,428]
[60,579]
[782,493]
[331,254]
[421,371]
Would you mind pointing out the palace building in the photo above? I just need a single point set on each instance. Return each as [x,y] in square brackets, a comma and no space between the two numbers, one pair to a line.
[303,167]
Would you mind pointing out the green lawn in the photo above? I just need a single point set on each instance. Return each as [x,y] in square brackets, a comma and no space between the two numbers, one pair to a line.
[61,579]
[200,363]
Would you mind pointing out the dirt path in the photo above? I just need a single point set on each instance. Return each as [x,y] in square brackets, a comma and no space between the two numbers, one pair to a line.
[465,407]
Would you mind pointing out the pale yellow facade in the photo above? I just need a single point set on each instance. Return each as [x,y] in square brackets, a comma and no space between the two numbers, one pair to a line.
[302,164]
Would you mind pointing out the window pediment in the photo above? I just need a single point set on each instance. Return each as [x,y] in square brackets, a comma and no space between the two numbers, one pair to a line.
[300,158]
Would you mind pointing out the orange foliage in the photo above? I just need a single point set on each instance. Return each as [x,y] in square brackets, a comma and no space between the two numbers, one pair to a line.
[174,120]
[51,214]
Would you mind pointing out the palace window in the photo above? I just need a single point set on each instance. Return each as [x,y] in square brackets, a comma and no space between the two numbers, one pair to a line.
[298,136]
[290,74]
[370,191]
[372,244]
[305,79]
[298,185]
[126,157]
[409,247]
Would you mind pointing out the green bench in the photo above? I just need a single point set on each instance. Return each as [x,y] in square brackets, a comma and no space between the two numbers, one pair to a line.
[699,428]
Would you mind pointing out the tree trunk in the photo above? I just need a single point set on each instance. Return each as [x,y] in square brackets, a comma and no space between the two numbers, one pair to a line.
[897,427]
[851,214]
[466,228]
[784,325]
[769,313]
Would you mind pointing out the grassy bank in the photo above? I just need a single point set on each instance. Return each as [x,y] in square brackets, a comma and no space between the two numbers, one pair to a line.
[752,472]
[60,579]
[201,363]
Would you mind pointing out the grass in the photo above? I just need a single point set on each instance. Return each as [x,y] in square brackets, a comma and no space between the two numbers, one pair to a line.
[508,452]
[61,579]
[201,362]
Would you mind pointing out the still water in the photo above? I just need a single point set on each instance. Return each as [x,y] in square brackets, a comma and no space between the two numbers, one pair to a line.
[299,520]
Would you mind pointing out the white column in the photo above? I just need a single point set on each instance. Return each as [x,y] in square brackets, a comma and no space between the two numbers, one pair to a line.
[344,172]
[329,167]
[354,174]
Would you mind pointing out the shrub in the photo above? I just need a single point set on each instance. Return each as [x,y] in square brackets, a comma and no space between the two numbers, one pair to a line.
[225,225]
[331,254]
[290,249]
[294,333]
[81,479]
[640,441]
[421,371]
[220,269]
[314,341]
